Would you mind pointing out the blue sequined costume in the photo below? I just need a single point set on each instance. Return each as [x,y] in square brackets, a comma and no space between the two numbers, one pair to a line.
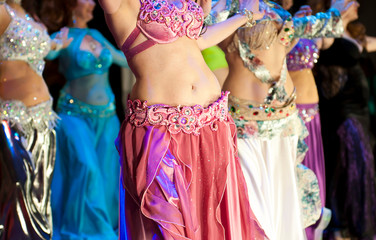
[85,185]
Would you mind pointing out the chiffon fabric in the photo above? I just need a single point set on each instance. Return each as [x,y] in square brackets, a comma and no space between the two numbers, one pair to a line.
[271,148]
[85,196]
[180,175]
[314,158]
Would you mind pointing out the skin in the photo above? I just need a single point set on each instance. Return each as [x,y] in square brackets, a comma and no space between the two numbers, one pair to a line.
[173,73]
[243,84]
[18,81]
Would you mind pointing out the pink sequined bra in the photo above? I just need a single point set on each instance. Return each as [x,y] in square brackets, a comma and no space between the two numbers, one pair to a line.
[162,22]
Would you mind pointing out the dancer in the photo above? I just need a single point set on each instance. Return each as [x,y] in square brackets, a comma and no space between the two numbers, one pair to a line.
[85,188]
[270,132]
[300,62]
[180,175]
[344,96]
[27,137]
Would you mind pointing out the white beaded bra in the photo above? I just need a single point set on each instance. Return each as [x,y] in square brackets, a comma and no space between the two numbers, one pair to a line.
[23,41]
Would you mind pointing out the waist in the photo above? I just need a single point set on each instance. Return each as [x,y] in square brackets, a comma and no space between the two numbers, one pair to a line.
[186,90]
[250,110]
[40,116]
[187,119]
[27,87]
[69,105]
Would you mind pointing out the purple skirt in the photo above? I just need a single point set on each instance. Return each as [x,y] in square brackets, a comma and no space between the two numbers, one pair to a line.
[314,158]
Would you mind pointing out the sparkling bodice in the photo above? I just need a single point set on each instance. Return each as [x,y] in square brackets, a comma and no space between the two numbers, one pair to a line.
[304,55]
[164,22]
[23,41]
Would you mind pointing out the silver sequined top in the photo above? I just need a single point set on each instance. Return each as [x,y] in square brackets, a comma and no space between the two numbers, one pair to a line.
[23,41]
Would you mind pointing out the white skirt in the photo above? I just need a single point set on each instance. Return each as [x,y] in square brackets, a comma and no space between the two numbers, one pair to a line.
[269,168]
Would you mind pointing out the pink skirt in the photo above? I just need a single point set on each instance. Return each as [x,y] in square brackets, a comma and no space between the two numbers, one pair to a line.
[180,175]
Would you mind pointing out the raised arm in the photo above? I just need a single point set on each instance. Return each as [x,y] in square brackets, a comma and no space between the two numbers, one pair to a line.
[328,24]
[59,42]
[371,44]
[110,6]
[223,27]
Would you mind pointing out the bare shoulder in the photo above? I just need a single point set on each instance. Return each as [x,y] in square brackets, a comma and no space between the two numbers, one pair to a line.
[121,17]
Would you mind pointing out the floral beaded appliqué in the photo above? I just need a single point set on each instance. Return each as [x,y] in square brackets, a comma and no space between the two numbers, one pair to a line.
[178,119]
[184,21]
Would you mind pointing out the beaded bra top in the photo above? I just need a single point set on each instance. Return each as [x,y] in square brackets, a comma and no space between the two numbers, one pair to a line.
[77,63]
[276,25]
[22,41]
[303,56]
[162,22]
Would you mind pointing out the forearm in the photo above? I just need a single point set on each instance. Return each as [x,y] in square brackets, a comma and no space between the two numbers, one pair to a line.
[220,31]
[327,24]
[119,59]
[371,44]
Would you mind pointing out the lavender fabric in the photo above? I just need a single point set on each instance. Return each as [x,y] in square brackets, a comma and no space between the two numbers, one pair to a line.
[314,158]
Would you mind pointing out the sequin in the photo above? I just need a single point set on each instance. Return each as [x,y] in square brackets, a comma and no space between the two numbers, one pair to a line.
[179,119]
[39,117]
[22,41]
[303,55]
[309,114]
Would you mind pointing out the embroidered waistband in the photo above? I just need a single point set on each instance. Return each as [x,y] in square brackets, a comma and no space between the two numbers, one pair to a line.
[248,110]
[177,119]
[69,105]
[308,111]
[39,117]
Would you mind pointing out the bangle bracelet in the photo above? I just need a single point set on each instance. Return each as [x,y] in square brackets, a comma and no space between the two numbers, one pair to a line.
[249,15]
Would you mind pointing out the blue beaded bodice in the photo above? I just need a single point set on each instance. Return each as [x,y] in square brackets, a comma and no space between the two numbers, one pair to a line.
[76,63]
[23,41]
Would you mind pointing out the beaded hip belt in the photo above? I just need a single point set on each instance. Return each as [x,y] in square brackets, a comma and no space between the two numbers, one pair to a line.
[69,105]
[39,117]
[249,110]
[177,119]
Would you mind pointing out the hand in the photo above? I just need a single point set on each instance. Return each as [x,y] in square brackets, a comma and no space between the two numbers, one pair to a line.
[253,6]
[304,11]
[342,7]
[61,39]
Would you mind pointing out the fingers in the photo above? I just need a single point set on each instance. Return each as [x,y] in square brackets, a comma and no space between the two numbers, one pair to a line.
[304,10]
[67,42]
[258,15]
[348,8]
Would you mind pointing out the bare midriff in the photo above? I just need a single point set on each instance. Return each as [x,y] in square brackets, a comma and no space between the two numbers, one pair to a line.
[305,84]
[174,74]
[243,84]
[18,81]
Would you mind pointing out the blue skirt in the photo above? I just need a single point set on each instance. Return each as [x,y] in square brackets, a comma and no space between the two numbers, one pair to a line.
[85,185]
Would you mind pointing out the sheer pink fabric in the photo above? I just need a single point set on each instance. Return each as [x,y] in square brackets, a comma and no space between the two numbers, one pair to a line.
[184,184]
